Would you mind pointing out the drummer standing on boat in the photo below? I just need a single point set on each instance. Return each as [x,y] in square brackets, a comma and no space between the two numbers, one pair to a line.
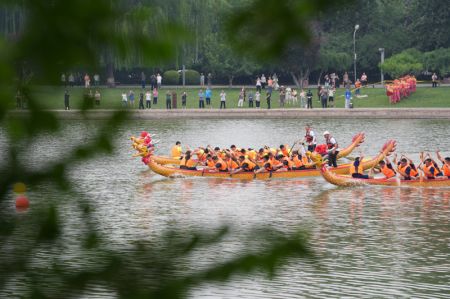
[310,138]
[332,147]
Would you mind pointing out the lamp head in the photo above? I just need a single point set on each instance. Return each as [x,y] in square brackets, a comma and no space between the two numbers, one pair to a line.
[356,27]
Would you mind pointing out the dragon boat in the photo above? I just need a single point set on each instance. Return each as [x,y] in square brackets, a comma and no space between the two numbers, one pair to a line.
[347,181]
[356,141]
[173,171]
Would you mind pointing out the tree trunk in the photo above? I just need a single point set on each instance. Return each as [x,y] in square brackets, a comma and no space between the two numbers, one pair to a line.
[300,79]
[320,76]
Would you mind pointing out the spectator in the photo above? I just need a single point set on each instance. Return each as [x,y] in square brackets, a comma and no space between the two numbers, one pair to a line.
[258,99]
[263,81]
[209,79]
[202,80]
[63,80]
[223,99]
[258,84]
[131,98]
[148,99]
[155,96]
[183,99]
[270,86]
[241,98]
[208,94]
[357,87]
[331,97]
[348,96]
[309,98]
[364,79]
[87,81]
[97,97]
[201,99]
[96,79]
[153,81]
[319,89]
[282,96]
[250,99]
[324,97]
[124,99]
[268,98]
[158,81]
[141,100]
[66,100]
[143,77]
[434,79]
[345,80]
[71,80]
[302,99]
[168,100]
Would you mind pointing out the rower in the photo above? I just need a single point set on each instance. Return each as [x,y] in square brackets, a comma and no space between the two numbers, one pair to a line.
[246,165]
[210,164]
[220,164]
[176,151]
[184,160]
[429,169]
[310,138]
[387,169]
[231,162]
[406,170]
[446,164]
[284,151]
[332,147]
[267,165]
[189,164]
[356,169]
[299,161]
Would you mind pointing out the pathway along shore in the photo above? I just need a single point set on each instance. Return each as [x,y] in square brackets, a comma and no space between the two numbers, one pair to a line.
[336,113]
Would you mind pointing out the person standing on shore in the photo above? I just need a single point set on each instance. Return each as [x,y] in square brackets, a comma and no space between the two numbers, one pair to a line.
[183,100]
[66,100]
[209,79]
[258,84]
[250,99]
[331,97]
[263,81]
[152,81]
[141,100]
[309,98]
[345,80]
[131,98]
[97,97]
[158,81]
[364,79]
[241,99]
[208,94]
[168,100]
[434,78]
[71,80]
[223,99]
[87,81]
[201,99]
[148,99]
[258,99]
[143,77]
[348,96]
[324,97]
[268,98]
[202,80]
[302,98]
[124,99]
[155,96]
[96,79]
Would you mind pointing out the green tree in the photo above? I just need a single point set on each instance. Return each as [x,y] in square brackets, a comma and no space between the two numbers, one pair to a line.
[438,61]
[409,61]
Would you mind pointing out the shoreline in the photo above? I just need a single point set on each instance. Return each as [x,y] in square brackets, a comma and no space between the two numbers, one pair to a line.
[234,113]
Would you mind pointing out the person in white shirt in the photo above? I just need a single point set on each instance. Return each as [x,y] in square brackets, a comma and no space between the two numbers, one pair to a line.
[257,99]
[223,99]
[158,80]
[263,81]
[331,97]
[124,99]
[241,99]
[310,138]
[148,99]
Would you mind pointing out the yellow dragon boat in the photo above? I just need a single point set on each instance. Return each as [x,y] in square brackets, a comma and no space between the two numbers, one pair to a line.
[356,141]
[347,181]
[173,171]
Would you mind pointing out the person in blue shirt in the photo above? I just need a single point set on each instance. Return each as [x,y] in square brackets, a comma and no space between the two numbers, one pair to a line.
[208,94]
[201,99]
[348,96]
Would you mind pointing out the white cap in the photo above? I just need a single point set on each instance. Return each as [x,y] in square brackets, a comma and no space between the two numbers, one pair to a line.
[326,133]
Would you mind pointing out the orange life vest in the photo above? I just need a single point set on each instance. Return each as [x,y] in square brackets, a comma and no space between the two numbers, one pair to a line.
[427,170]
[446,170]
[231,164]
[403,169]
[298,162]
[210,163]
[388,172]
[222,165]
[268,165]
[190,163]
[250,164]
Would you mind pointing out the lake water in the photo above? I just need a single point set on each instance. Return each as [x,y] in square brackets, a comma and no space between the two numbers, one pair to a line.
[371,242]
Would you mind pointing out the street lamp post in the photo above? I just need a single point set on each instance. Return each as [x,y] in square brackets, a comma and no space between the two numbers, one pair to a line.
[354,49]
[381,67]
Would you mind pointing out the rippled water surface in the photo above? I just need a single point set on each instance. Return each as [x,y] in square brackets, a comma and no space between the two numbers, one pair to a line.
[371,242]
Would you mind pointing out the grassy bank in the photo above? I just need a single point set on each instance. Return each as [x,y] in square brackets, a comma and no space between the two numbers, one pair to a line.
[53,98]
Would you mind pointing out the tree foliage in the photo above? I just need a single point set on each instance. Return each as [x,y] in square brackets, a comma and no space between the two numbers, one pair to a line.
[407,62]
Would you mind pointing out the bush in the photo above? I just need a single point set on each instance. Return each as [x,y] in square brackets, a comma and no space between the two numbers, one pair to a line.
[192,77]
[171,78]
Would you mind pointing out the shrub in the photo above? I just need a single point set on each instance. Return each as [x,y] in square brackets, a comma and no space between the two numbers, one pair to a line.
[171,78]
[192,77]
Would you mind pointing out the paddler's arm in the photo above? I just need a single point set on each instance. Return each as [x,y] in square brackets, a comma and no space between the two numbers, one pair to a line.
[438,154]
